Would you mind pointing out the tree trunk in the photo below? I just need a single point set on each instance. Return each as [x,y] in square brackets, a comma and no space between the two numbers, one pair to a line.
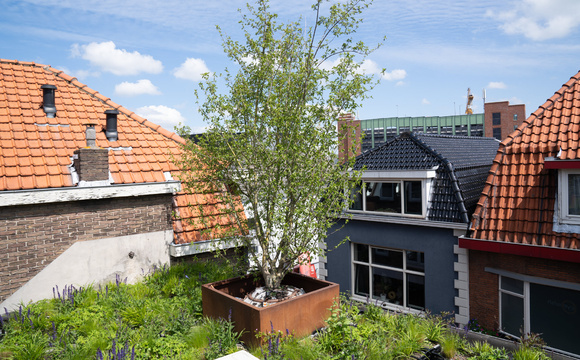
[272,280]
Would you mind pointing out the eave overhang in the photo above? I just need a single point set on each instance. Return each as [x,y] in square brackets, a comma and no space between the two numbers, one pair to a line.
[65,194]
[554,163]
[536,251]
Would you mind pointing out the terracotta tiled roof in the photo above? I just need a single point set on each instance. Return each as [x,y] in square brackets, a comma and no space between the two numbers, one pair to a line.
[517,202]
[36,151]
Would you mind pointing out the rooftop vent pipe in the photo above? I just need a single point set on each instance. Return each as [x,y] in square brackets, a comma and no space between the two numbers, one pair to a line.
[91,135]
[111,130]
[48,100]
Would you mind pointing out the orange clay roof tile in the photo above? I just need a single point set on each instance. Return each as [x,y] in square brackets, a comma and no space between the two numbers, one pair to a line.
[517,202]
[36,151]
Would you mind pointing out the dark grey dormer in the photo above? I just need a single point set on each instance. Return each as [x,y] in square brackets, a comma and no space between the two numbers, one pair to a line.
[445,173]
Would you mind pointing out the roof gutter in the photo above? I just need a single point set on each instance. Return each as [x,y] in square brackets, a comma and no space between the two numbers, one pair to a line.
[65,194]
[536,251]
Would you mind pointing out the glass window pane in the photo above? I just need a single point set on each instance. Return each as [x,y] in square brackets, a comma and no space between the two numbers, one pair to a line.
[415,261]
[555,313]
[387,257]
[513,285]
[512,314]
[384,197]
[356,195]
[416,291]
[361,280]
[361,252]
[413,199]
[574,194]
[388,286]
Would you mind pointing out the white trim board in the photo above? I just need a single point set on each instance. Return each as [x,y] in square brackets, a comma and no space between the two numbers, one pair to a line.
[55,195]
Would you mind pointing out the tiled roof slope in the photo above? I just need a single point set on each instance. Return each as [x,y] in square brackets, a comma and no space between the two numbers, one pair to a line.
[36,151]
[517,203]
[469,158]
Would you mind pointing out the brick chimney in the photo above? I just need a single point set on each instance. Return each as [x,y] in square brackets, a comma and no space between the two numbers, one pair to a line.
[349,137]
[91,163]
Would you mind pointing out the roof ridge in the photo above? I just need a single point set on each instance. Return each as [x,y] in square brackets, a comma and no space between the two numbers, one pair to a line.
[541,109]
[429,149]
[448,136]
[105,100]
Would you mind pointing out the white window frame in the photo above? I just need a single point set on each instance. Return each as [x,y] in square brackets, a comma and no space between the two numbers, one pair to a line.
[526,298]
[563,206]
[425,176]
[527,280]
[370,265]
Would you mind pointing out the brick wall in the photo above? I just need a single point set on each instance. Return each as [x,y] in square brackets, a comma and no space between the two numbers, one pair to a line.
[507,112]
[484,286]
[349,134]
[31,237]
[92,164]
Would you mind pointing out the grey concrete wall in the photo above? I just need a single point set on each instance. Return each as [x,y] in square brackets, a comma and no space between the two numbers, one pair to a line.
[97,262]
[435,243]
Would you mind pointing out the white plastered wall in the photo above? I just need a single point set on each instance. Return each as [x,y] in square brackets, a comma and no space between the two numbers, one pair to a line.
[462,285]
[97,262]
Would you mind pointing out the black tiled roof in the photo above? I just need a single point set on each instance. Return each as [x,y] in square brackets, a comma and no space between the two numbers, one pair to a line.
[470,159]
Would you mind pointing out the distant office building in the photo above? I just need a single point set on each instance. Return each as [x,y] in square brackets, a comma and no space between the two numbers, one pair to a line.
[501,118]
[498,120]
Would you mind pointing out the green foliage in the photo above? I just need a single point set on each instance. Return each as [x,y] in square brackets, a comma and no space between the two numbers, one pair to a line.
[106,321]
[530,348]
[451,344]
[529,353]
[271,139]
[222,338]
[484,351]
[160,321]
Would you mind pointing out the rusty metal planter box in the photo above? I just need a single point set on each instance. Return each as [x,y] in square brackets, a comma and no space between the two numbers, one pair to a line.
[301,315]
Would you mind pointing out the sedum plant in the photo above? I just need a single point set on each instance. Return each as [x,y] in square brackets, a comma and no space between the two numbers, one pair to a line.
[271,139]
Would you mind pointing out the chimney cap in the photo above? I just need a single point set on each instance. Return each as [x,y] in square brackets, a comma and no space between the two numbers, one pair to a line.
[48,86]
[112,112]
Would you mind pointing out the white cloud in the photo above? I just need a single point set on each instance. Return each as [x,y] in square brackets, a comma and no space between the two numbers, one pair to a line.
[191,69]
[496,85]
[162,115]
[108,58]
[140,87]
[83,74]
[397,74]
[400,83]
[370,67]
[425,102]
[541,19]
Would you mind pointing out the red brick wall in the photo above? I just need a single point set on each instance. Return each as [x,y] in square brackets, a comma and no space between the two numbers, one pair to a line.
[32,236]
[349,134]
[484,286]
[507,112]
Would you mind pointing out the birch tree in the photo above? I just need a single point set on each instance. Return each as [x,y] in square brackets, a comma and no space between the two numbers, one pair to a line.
[272,138]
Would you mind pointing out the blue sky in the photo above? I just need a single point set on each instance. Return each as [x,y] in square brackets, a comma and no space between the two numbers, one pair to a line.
[148,55]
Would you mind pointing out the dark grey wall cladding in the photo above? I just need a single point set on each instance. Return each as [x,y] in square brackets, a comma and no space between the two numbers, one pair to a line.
[436,244]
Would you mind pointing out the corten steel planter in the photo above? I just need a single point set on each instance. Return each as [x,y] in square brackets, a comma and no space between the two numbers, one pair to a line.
[300,315]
